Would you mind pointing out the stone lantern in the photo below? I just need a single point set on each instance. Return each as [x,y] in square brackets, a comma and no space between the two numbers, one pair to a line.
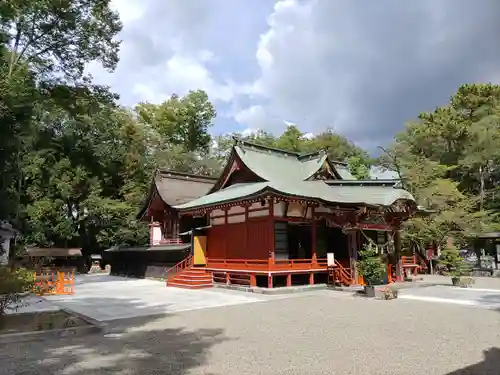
[7,232]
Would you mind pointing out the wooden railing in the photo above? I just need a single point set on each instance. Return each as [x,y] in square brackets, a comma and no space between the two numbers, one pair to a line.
[54,281]
[409,260]
[266,264]
[342,274]
[179,267]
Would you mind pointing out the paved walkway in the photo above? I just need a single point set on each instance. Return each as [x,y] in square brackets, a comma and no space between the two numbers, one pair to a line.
[475,297]
[104,298]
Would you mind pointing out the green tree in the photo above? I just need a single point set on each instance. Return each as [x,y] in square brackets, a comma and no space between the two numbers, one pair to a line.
[181,121]
[448,161]
[60,36]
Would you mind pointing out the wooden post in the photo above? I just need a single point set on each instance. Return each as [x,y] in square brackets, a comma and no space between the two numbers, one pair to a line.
[311,278]
[352,241]
[397,254]
[289,279]
[228,279]
[271,233]
[313,235]
[253,280]
[269,280]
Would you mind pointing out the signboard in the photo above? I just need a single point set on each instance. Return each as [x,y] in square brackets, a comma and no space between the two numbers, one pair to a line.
[330,258]
[429,254]
[374,222]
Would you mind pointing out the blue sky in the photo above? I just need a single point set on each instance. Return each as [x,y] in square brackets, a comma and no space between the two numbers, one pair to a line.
[361,68]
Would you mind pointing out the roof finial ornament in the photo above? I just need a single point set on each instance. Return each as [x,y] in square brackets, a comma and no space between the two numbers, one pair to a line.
[236,139]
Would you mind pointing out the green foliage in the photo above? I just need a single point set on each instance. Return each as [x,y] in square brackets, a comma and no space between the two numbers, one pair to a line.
[181,121]
[12,284]
[60,36]
[449,161]
[370,266]
[454,263]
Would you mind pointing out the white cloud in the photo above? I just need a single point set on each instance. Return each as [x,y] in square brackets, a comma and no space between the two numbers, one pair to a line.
[359,68]
[364,69]
[165,51]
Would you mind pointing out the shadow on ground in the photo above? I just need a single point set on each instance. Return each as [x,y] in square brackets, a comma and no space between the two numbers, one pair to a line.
[132,346]
[102,278]
[491,299]
[490,365]
[107,309]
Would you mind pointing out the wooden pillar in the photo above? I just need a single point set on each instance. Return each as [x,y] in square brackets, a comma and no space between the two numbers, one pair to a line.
[289,279]
[245,240]
[353,253]
[311,278]
[271,234]
[313,235]
[253,280]
[269,280]
[397,254]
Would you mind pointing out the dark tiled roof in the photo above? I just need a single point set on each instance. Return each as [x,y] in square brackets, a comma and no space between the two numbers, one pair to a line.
[176,188]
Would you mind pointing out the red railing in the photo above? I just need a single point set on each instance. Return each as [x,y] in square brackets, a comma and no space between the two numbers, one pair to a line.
[342,275]
[266,264]
[409,260]
[179,267]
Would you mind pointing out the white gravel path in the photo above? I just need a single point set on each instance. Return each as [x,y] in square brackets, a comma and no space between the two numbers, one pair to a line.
[320,332]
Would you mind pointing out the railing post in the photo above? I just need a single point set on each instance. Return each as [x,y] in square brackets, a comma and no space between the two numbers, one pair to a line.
[228,279]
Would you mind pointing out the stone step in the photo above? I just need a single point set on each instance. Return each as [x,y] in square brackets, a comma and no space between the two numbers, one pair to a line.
[188,286]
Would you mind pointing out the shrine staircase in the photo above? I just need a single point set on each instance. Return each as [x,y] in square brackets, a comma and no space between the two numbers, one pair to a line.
[185,275]
[339,275]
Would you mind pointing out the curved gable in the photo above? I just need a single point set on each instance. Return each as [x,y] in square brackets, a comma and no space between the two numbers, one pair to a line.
[169,188]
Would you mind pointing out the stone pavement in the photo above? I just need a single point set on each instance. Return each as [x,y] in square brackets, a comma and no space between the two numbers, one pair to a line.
[475,297]
[104,298]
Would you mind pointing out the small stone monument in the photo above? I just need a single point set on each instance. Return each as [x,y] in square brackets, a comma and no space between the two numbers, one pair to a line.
[7,232]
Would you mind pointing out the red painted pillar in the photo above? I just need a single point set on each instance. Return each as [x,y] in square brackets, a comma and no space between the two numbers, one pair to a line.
[313,235]
[269,280]
[397,253]
[311,278]
[253,281]
[289,279]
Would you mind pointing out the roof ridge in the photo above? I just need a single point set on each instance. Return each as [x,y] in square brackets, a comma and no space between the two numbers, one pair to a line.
[162,171]
[243,143]
[299,155]
[320,152]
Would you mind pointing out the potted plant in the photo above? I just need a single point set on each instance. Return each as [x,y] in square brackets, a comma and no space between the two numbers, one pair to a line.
[371,267]
[454,265]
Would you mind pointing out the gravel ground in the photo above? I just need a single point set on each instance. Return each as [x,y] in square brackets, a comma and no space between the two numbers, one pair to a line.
[322,332]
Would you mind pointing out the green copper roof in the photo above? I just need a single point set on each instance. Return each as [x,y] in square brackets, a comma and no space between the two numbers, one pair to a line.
[319,190]
[343,171]
[273,165]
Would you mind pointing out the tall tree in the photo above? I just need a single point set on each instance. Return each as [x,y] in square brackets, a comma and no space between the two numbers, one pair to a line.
[448,160]
[181,121]
[60,36]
